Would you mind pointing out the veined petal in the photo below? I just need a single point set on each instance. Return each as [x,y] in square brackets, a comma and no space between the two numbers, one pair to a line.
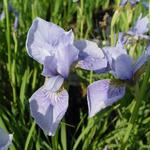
[91,57]
[42,39]
[66,55]
[101,94]
[53,84]
[5,139]
[122,67]
[48,108]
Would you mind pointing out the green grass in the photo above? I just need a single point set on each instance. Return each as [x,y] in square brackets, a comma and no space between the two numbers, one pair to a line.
[20,76]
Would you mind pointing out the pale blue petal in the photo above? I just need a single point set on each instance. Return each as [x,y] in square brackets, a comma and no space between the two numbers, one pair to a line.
[16,22]
[123,2]
[123,67]
[66,55]
[122,40]
[5,139]
[140,62]
[50,66]
[48,108]
[91,57]
[142,59]
[112,53]
[53,84]
[2,15]
[145,4]
[42,39]
[101,94]
[67,38]
[133,2]
[141,26]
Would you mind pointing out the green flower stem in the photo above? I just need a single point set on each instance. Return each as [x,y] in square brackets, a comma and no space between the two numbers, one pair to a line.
[139,96]
[7,34]
[91,77]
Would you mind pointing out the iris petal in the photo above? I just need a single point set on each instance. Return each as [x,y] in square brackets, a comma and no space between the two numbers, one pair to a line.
[53,84]
[50,66]
[91,57]
[101,94]
[48,108]
[142,59]
[120,62]
[112,53]
[141,26]
[5,139]
[65,56]
[123,67]
[42,38]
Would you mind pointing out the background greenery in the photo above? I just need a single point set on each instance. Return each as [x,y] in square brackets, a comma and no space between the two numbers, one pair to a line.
[20,76]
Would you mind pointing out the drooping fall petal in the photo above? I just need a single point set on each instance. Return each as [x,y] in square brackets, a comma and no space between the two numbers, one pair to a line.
[101,94]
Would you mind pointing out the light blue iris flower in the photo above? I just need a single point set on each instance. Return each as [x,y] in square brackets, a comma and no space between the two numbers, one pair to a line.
[57,51]
[103,93]
[52,47]
[132,2]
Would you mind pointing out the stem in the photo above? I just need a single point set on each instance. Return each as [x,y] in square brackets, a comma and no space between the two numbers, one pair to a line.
[91,77]
[7,35]
[81,17]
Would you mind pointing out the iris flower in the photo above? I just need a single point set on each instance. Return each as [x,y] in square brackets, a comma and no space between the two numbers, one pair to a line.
[132,2]
[5,139]
[52,47]
[137,32]
[103,93]
[57,51]
[140,28]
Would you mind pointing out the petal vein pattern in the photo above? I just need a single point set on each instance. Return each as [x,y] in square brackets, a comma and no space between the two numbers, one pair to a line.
[101,94]
[48,108]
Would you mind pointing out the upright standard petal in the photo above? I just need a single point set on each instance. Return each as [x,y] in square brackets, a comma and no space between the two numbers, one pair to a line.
[42,39]
[50,66]
[48,108]
[112,53]
[101,94]
[5,139]
[65,56]
[123,67]
[91,57]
